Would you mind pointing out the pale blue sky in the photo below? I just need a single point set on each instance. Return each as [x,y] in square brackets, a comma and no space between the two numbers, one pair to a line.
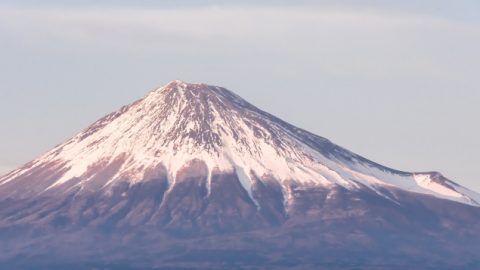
[395,81]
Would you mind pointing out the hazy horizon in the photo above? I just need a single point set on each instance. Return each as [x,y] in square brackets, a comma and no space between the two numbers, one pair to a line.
[395,83]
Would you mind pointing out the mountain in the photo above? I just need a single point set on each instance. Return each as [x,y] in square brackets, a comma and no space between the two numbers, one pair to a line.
[193,176]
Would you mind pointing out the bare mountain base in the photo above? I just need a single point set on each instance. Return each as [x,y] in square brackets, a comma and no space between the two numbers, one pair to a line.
[138,227]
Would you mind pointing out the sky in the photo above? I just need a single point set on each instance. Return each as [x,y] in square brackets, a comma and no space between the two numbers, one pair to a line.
[395,81]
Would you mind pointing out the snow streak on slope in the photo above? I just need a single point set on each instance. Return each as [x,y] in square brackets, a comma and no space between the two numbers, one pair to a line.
[181,122]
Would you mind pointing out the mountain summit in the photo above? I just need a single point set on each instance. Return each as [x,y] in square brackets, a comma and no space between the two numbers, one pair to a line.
[194,160]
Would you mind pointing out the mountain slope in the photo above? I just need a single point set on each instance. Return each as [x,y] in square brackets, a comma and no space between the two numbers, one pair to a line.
[193,166]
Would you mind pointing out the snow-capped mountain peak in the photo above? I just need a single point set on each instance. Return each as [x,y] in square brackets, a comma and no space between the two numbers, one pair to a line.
[181,123]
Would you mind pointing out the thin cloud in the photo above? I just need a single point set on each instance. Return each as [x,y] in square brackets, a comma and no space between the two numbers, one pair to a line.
[365,42]
[215,22]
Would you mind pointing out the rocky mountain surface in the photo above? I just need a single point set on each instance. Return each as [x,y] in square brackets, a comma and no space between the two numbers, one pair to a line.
[193,176]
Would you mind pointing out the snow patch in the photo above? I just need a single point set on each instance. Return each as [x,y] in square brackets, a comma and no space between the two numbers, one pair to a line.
[246,182]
